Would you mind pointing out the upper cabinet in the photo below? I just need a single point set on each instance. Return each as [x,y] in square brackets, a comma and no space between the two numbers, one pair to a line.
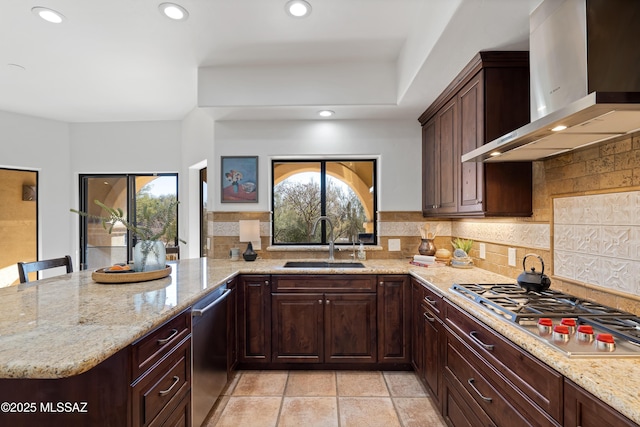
[489,98]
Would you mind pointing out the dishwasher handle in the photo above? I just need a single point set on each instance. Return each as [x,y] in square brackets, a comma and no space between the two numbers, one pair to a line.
[202,311]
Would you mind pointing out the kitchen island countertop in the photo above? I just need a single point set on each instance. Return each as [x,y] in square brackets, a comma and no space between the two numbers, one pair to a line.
[65,325]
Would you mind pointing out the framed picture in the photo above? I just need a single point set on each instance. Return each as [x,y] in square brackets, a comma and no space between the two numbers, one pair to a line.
[239,180]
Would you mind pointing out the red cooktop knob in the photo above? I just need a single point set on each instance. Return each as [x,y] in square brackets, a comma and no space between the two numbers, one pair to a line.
[561,329]
[585,329]
[568,322]
[606,338]
[545,321]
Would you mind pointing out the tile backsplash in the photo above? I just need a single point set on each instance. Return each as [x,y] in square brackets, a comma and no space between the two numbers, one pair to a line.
[597,240]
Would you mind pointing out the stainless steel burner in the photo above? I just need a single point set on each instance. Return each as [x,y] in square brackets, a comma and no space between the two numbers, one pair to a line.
[513,303]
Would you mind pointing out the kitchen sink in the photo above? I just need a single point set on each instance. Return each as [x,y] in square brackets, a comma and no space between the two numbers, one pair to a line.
[322,264]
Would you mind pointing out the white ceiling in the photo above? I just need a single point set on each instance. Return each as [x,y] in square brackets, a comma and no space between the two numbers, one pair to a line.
[121,60]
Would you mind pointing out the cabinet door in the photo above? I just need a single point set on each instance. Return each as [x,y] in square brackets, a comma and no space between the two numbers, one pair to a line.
[393,319]
[297,327]
[417,333]
[582,409]
[448,157]
[232,328]
[471,105]
[430,168]
[255,319]
[350,328]
[433,328]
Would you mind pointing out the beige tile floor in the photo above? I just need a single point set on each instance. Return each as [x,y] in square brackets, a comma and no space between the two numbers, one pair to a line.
[324,399]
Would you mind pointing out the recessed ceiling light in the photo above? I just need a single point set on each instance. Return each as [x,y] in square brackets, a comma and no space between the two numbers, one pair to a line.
[559,128]
[174,11]
[298,8]
[495,153]
[48,15]
[325,113]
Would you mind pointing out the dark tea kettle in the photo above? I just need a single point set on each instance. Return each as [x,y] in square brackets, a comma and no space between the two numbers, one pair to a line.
[532,280]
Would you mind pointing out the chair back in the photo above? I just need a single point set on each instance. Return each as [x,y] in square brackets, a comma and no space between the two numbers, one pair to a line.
[24,268]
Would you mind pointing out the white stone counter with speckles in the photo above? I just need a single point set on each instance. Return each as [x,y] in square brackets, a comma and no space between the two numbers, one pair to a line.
[66,325]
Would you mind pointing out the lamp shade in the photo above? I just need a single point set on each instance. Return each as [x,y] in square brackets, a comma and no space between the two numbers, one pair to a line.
[250,232]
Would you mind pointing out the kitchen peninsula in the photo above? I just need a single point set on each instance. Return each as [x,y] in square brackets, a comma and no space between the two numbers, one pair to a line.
[64,327]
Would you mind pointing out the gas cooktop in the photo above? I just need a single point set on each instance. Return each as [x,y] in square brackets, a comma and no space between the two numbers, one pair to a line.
[577,327]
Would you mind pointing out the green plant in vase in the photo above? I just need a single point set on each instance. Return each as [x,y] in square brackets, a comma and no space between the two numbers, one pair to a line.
[153,223]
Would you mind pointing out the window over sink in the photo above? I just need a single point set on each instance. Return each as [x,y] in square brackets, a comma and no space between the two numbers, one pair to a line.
[344,190]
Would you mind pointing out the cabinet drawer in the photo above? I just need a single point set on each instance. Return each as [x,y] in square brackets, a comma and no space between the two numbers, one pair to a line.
[178,417]
[538,382]
[163,387]
[497,398]
[434,301]
[148,350]
[324,283]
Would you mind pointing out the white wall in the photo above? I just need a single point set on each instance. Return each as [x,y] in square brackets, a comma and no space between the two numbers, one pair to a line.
[397,144]
[197,149]
[42,145]
[123,147]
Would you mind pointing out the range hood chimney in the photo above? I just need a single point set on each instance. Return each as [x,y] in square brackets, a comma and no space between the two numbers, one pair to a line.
[585,80]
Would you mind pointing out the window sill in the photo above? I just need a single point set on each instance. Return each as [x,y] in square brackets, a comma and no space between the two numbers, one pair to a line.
[315,248]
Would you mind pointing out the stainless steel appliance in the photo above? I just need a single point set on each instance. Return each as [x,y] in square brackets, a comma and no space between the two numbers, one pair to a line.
[208,352]
[574,326]
[584,59]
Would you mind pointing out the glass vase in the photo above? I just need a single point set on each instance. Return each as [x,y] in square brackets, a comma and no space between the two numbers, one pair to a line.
[149,255]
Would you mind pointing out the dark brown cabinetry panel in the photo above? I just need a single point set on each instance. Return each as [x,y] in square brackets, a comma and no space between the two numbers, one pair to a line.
[350,328]
[582,409]
[508,384]
[254,314]
[394,319]
[298,327]
[324,319]
[232,327]
[427,342]
[488,99]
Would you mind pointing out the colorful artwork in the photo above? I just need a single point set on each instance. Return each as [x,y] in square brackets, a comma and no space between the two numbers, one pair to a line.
[239,180]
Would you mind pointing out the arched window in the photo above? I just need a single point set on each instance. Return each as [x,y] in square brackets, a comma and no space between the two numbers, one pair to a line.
[343,190]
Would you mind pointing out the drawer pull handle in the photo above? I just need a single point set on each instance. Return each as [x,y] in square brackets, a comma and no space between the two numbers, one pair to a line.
[471,381]
[429,318]
[320,301]
[429,300]
[174,332]
[266,283]
[489,347]
[176,379]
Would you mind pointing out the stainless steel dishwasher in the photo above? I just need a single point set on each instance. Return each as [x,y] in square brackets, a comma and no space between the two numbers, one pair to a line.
[208,352]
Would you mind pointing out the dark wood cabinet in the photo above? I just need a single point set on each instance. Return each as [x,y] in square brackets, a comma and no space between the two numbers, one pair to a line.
[254,315]
[232,327]
[427,338]
[488,99]
[505,384]
[394,319]
[582,409]
[298,334]
[324,319]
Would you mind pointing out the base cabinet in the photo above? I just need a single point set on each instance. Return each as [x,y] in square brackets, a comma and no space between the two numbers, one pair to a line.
[394,319]
[333,324]
[427,338]
[254,319]
[582,409]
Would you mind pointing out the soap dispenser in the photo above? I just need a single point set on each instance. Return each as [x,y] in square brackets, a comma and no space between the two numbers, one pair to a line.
[362,255]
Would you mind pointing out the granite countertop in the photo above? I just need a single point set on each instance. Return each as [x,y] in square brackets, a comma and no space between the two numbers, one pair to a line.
[66,325]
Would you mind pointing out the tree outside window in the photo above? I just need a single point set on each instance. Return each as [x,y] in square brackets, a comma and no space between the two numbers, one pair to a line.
[343,190]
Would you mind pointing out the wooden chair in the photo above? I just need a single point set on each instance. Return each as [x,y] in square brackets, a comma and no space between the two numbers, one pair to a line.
[173,253]
[24,268]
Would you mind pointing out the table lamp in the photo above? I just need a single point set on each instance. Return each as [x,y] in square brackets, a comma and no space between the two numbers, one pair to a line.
[250,232]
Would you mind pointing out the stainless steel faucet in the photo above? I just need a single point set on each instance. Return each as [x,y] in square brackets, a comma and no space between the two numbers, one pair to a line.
[315,224]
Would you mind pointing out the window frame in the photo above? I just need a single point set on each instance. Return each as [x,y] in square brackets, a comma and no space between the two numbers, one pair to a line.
[323,161]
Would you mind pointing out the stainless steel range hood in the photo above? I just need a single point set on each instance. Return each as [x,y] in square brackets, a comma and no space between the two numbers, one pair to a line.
[585,76]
